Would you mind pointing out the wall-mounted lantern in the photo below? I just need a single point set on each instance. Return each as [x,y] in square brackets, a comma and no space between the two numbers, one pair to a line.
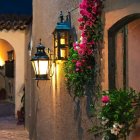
[40,63]
[62,38]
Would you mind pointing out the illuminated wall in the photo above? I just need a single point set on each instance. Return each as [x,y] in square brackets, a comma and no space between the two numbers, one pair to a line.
[4,48]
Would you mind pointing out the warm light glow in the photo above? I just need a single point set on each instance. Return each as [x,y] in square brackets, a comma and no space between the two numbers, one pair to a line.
[62,41]
[58,77]
[40,67]
[1,62]
[63,53]
[56,42]
[56,52]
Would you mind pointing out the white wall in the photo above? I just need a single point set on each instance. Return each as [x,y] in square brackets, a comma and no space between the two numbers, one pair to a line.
[17,41]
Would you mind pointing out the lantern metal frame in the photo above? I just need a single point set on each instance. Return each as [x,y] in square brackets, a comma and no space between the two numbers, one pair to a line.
[63,27]
[39,57]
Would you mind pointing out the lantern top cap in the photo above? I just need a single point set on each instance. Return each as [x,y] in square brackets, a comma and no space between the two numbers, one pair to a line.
[40,53]
[63,24]
[40,45]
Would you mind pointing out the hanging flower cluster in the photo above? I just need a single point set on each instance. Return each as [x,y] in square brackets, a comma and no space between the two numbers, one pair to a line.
[80,67]
[116,113]
[90,11]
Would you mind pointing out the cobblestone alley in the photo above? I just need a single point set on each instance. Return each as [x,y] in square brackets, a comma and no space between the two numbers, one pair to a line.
[9,130]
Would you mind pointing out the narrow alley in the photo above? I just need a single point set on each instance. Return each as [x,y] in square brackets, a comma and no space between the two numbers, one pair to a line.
[9,130]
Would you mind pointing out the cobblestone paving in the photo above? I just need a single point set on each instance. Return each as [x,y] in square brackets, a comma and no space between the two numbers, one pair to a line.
[9,130]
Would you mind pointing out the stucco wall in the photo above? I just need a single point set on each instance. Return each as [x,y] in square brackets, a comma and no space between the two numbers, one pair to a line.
[114,11]
[53,111]
[28,77]
[4,47]
[17,40]
[56,114]
[133,54]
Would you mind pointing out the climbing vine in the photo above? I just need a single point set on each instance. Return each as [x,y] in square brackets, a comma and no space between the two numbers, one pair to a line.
[80,69]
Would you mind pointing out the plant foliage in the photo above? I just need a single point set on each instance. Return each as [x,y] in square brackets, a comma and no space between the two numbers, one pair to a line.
[117,113]
[81,66]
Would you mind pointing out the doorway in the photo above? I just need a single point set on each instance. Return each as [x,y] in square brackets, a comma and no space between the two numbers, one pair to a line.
[7,80]
[123,55]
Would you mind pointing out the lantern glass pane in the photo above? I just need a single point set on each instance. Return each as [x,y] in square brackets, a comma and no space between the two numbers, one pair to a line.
[63,38]
[40,67]
[56,43]
[62,41]
[43,67]
[63,53]
[56,52]
[35,67]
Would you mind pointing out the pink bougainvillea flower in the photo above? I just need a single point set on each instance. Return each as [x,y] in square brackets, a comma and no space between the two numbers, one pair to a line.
[82,46]
[84,12]
[81,52]
[89,67]
[83,34]
[76,48]
[83,5]
[105,99]
[89,51]
[75,44]
[91,42]
[80,19]
[83,60]
[94,10]
[77,69]
[89,15]
[93,19]
[84,40]
[81,27]
[78,63]
[89,23]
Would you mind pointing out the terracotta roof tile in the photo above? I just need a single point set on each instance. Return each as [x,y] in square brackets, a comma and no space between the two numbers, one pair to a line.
[14,22]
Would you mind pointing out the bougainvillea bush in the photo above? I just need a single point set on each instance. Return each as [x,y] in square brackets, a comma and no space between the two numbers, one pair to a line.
[116,113]
[81,66]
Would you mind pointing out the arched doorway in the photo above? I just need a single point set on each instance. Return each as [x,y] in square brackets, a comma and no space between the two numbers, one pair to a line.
[7,80]
[123,53]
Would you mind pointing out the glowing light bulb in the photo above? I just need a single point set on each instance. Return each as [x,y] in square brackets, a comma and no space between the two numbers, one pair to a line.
[62,41]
